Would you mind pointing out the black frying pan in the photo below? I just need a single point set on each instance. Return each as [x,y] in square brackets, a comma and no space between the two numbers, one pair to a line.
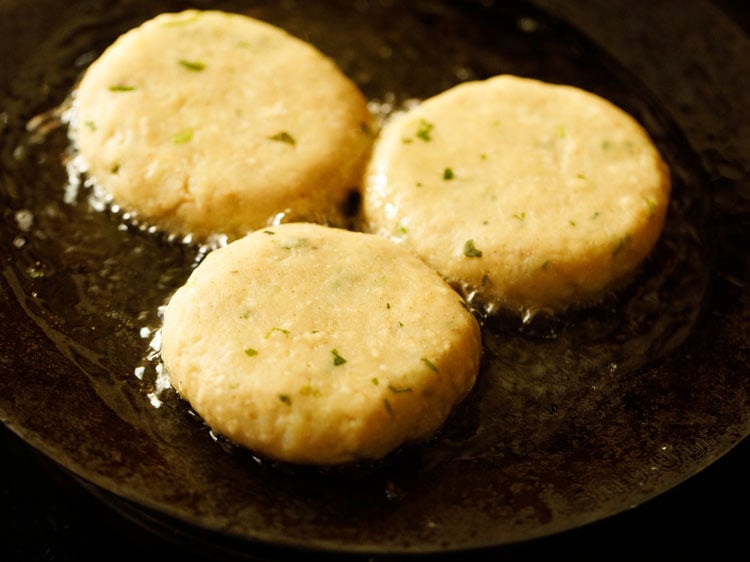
[575,418]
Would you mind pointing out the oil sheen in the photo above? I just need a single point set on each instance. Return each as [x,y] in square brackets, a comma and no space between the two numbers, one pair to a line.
[95,280]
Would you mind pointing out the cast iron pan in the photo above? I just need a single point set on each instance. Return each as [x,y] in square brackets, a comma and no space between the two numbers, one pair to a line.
[574,418]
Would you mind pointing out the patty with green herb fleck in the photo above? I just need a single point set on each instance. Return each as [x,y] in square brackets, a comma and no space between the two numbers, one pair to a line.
[528,195]
[205,122]
[317,345]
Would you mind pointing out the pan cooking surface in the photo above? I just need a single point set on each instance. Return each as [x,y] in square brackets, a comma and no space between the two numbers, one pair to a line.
[574,418]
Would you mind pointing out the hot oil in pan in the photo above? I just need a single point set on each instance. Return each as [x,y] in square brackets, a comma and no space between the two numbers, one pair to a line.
[95,281]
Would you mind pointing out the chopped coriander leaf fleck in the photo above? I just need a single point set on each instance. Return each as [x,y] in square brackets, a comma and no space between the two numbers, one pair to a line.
[400,324]
[115,169]
[309,390]
[250,352]
[283,136]
[121,88]
[256,45]
[430,365]
[192,65]
[398,389]
[337,359]
[90,125]
[374,380]
[572,223]
[387,406]
[285,399]
[424,130]
[269,232]
[280,330]
[182,137]
[621,244]
[448,174]
[519,216]
[471,251]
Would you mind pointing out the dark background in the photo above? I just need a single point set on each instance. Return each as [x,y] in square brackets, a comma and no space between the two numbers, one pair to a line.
[45,515]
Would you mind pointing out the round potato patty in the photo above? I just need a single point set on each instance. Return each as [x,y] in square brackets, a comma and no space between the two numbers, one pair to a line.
[205,122]
[527,194]
[318,345]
